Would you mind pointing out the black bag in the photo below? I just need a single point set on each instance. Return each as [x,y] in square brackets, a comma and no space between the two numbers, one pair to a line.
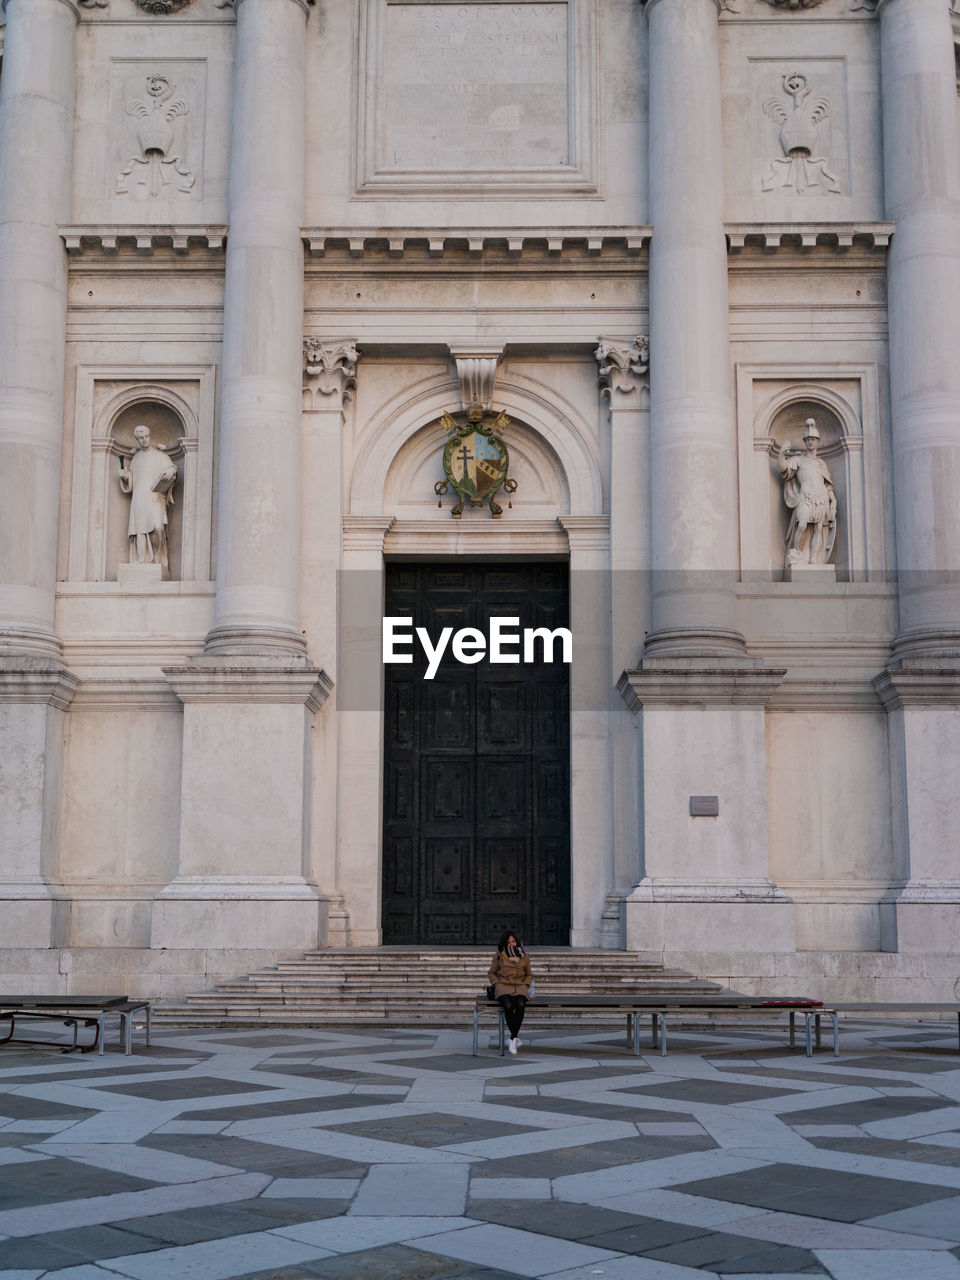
[491,992]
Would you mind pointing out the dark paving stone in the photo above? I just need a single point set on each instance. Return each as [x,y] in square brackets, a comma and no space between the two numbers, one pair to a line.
[295,1208]
[94,1075]
[454,1062]
[835,1079]
[870,1109]
[578,1073]
[596,1110]
[927,1065]
[188,1087]
[436,1130]
[215,1222]
[644,1235]
[34,1253]
[258,1041]
[16,1106]
[720,1092]
[43,1181]
[295,1106]
[257,1157]
[818,1193]
[320,1072]
[82,1244]
[893,1149]
[586,1223]
[730,1254]
[587,1159]
[398,1262]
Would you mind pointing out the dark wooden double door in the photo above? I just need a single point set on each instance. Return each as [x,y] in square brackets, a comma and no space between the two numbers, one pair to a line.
[476,814]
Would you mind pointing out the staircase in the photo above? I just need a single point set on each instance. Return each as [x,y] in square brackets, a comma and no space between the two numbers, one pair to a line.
[400,986]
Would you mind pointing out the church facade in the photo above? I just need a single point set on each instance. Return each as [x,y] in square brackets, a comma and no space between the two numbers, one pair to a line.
[480,465]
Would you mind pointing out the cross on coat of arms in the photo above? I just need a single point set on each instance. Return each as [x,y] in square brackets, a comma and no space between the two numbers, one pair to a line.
[475,461]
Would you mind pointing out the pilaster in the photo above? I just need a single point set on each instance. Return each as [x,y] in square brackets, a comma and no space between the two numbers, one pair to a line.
[245,807]
[35,694]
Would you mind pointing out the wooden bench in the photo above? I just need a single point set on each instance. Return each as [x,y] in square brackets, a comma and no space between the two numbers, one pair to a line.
[77,1012]
[660,1013]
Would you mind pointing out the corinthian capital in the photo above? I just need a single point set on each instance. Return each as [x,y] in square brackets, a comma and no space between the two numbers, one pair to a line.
[330,368]
[622,365]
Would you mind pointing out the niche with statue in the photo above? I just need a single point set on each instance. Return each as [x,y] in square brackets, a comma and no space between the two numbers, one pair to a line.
[144,537]
[808,491]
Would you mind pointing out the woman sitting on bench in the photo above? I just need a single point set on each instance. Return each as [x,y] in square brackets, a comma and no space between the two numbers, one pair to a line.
[510,977]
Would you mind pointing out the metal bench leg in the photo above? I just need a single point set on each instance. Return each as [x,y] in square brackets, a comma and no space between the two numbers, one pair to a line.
[148,1026]
[793,1030]
[101,1028]
[834,1018]
[816,1020]
[662,1020]
[476,1028]
[808,1029]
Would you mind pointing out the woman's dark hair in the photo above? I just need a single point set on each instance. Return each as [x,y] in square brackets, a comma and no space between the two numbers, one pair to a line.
[505,938]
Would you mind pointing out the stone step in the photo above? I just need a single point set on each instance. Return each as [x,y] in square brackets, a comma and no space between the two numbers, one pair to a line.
[377,986]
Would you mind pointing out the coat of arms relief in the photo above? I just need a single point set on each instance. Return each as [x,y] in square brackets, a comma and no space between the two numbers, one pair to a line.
[476,460]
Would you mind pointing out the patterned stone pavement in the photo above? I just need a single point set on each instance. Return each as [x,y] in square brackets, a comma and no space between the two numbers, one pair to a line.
[365,1155]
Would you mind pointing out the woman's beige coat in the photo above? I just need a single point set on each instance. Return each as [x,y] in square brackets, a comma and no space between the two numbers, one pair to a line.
[510,977]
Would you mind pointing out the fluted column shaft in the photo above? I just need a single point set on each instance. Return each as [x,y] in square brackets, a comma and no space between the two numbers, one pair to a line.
[922,185]
[36,154]
[259,510]
[693,453]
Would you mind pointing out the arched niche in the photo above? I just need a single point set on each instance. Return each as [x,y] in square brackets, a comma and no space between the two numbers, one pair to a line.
[779,419]
[167,432]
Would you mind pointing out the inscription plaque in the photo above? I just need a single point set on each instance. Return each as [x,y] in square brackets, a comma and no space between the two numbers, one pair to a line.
[476,86]
[494,91]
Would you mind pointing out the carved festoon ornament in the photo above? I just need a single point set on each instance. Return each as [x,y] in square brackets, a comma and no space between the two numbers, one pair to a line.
[161,6]
[622,365]
[331,366]
[794,4]
[800,169]
[158,167]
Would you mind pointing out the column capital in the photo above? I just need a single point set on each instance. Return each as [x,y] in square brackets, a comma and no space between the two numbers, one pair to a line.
[719,5]
[623,365]
[68,4]
[305,5]
[330,369]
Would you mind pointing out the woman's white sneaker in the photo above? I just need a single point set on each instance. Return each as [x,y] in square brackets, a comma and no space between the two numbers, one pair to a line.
[512,1046]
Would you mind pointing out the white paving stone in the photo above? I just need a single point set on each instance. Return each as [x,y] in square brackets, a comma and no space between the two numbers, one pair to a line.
[938,1218]
[525,1252]
[417,1190]
[891,1264]
[217,1259]
[510,1188]
[154,1164]
[312,1188]
[675,1206]
[351,1234]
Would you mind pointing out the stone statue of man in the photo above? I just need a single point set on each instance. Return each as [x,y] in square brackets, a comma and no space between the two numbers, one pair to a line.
[149,479]
[808,492]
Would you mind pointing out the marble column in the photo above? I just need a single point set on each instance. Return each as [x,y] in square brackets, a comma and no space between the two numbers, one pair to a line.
[36,165]
[920,689]
[921,177]
[693,446]
[258,530]
[36,162]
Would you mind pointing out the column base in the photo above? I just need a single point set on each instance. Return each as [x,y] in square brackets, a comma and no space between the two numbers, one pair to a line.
[254,642]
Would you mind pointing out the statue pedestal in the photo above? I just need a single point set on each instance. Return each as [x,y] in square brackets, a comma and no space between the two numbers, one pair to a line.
[139,577]
[821,574]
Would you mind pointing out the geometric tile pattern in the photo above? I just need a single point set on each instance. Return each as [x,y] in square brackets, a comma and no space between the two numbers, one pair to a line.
[379,1155]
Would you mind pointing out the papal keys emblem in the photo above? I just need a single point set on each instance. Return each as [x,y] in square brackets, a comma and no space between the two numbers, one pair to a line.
[475,461]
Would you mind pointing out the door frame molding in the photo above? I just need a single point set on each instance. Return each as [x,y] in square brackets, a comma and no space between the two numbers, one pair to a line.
[584,542]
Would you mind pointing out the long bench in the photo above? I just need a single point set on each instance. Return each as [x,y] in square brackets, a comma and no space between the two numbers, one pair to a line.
[678,1008]
[80,1013]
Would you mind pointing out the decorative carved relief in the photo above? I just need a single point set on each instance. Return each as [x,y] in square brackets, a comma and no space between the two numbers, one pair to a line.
[801,169]
[477,375]
[93,4]
[794,4]
[159,166]
[160,6]
[330,367]
[622,366]
[475,461]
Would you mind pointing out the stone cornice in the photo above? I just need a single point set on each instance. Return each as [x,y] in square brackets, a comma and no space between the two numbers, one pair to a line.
[685,681]
[36,680]
[476,242]
[109,241]
[919,683]
[808,235]
[217,680]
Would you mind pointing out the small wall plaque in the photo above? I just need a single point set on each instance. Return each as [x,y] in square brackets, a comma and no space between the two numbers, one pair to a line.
[704,806]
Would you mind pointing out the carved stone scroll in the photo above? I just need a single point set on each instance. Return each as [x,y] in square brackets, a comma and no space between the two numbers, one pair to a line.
[622,365]
[330,368]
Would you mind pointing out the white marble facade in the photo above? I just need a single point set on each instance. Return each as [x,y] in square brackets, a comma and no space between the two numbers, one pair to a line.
[664,235]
